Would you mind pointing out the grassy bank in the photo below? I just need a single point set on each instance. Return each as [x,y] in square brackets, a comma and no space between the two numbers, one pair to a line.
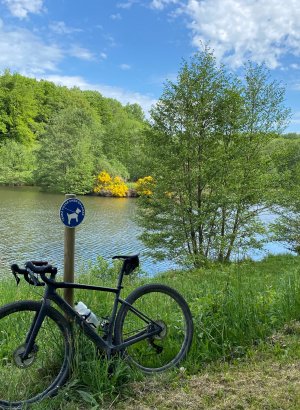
[266,378]
[237,308]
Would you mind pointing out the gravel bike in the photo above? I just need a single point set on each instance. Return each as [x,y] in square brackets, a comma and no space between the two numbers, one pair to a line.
[152,328]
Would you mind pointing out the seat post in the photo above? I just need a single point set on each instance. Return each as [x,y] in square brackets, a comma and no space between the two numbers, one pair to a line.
[121,275]
[129,264]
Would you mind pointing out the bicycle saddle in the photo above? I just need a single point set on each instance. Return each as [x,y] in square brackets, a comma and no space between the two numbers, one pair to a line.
[129,262]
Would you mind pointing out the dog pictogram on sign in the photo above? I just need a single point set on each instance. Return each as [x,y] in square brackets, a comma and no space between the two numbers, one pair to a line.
[72,212]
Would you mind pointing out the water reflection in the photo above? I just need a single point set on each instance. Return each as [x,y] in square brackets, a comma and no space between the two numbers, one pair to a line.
[31,229]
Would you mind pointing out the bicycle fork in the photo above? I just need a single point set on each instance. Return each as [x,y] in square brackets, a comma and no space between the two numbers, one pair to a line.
[33,331]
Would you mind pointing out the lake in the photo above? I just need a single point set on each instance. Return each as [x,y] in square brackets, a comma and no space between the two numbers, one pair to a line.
[31,229]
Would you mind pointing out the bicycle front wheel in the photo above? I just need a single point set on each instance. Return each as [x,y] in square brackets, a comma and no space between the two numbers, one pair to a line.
[167,308]
[46,367]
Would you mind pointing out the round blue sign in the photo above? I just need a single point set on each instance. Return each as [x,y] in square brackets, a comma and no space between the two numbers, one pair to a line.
[72,212]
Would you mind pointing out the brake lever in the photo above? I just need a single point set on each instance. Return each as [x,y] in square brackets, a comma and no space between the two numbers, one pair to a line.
[14,268]
[18,280]
[33,278]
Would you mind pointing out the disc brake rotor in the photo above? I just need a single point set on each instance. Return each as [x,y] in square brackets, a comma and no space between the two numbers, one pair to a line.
[163,332]
[24,362]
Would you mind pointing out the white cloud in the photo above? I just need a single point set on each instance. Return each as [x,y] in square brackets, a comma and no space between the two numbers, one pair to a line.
[60,27]
[127,4]
[81,53]
[161,4]
[120,94]
[21,8]
[116,16]
[110,40]
[22,51]
[239,30]
[295,66]
[103,56]
[125,66]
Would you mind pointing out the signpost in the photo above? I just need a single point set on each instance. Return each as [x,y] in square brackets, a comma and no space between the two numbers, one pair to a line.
[71,213]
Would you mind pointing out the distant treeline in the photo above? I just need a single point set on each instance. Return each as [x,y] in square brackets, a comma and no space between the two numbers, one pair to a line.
[61,138]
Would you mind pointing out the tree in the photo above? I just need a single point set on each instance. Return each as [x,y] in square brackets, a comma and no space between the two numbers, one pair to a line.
[18,108]
[28,106]
[212,172]
[135,111]
[68,153]
[17,163]
[292,135]
[123,134]
[286,199]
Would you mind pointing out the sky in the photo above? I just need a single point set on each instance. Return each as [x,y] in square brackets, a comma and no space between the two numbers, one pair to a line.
[126,49]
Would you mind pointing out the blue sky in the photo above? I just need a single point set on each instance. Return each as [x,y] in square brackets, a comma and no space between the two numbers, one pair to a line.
[126,49]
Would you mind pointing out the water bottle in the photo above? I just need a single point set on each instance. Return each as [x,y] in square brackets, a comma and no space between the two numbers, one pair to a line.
[87,314]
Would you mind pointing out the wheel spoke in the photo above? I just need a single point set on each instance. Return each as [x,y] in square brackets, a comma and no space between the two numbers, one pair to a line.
[167,309]
[30,378]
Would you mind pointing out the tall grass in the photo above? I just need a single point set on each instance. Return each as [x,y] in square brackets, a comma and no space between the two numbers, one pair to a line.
[238,305]
[234,306]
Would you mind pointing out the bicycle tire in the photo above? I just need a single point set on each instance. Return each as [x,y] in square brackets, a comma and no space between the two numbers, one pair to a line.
[167,307]
[47,367]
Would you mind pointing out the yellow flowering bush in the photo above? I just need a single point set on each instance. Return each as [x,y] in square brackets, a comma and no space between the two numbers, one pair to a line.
[144,186]
[104,177]
[108,186]
[118,187]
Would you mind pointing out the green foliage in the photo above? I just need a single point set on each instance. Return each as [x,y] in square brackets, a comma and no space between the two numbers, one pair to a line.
[291,135]
[213,174]
[28,111]
[52,99]
[123,139]
[17,163]
[144,186]
[18,108]
[286,229]
[135,111]
[236,306]
[112,166]
[67,153]
[286,198]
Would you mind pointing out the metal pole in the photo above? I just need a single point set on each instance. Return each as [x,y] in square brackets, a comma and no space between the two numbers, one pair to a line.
[69,256]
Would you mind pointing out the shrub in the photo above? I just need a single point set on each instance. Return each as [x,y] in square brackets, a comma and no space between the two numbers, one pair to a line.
[144,186]
[108,186]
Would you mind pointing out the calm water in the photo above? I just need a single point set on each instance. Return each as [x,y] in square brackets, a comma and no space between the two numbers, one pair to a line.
[30,228]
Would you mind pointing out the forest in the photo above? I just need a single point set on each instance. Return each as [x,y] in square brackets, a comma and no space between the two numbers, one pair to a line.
[60,139]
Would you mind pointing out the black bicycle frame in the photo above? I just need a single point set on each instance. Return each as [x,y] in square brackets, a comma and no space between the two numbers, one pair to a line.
[107,344]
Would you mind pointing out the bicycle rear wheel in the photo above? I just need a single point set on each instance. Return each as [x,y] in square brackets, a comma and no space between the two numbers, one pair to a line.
[168,309]
[47,366]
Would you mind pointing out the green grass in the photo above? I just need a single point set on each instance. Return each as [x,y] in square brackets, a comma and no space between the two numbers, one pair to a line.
[267,377]
[236,308]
